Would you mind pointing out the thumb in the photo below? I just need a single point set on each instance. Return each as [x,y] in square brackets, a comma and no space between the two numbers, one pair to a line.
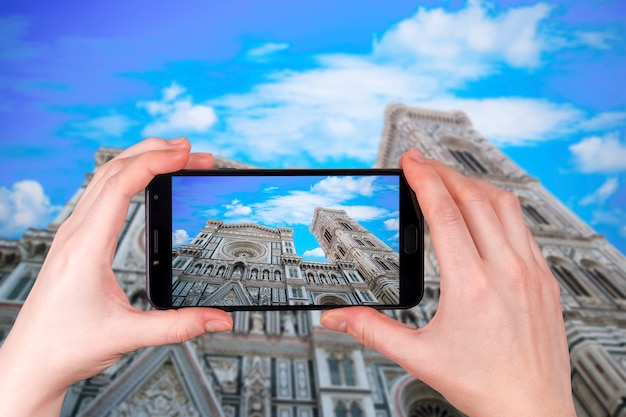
[161,327]
[394,339]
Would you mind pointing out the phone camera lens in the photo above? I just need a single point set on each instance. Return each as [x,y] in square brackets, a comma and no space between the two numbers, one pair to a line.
[156,197]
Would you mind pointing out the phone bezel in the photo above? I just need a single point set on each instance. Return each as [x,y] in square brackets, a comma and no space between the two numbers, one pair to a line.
[158,235]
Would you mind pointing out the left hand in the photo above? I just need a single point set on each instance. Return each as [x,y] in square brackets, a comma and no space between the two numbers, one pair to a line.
[77,320]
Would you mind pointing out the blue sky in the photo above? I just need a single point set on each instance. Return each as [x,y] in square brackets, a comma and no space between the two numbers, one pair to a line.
[285,201]
[283,84]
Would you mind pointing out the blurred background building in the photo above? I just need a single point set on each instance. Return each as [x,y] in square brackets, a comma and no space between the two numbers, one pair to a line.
[272,365]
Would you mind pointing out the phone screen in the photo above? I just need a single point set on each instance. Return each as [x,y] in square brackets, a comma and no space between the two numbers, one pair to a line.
[273,241]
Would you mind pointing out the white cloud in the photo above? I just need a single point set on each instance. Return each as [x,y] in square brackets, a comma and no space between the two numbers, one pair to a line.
[104,127]
[176,114]
[364,213]
[603,193]
[392,224]
[600,154]
[615,217]
[513,120]
[24,205]
[172,92]
[210,213]
[606,120]
[180,237]
[598,40]
[468,41]
[235,209]
[267,49]
[297,207]
[314,253]
[333,111]
[345,187]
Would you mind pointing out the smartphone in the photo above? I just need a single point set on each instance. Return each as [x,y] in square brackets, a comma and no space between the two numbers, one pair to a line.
[283,239]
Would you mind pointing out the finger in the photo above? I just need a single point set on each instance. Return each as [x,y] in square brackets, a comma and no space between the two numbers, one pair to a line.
[450,236]
[200,161]
[152,144]
[116,164]
[509,211]
[553,287]
[161,327]
[478,213]
[375,330]
[106,212]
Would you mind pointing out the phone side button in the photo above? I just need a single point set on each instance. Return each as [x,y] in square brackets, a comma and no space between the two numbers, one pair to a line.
[155,241]
[410,239]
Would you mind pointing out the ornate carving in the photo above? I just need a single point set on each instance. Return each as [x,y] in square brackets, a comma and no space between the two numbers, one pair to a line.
[163,395]
[257,387]
[226,371]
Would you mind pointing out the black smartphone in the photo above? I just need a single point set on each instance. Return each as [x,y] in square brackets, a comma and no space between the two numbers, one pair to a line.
[283,239]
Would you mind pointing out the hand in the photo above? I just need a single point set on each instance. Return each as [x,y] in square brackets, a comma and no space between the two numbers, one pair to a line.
[77,320]
[496,345]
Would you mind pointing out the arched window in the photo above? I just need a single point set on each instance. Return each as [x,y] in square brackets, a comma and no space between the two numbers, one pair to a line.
[328,236]
[333,367]
[383,264]
[353,276]
[365,296]
[468,161]
[297,292]
[596,274]
[341,410]
[533,214]
[348,371]
[567,277]
[293,272]
[346,225]
[341,370]
[355,410]
[341,250]
[179,263]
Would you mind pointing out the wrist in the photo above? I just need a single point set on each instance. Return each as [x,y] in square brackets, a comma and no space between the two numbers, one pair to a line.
[25,388]
[526,406]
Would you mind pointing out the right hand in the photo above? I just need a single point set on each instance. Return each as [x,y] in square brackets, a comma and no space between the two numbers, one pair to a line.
[496,345]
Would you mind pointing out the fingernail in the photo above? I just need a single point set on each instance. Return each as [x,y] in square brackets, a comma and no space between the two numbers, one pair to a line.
[417,156]
[177,141]
[333,323]
[217,326]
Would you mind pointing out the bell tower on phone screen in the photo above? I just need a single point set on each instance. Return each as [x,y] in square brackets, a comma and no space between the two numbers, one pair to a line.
[341,237]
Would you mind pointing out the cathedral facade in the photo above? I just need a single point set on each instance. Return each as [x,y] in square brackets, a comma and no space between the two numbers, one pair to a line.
[284,364]
[246,264]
